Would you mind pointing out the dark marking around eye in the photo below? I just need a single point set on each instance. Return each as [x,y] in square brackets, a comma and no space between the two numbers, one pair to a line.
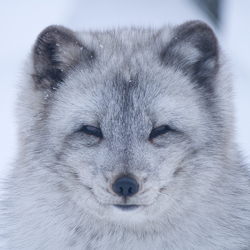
[91,130]
[159,131]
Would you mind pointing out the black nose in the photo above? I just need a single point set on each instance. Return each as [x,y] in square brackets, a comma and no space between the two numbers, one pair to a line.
[125,186]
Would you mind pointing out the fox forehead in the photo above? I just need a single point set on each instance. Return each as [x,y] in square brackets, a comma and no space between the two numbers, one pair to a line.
[145,98]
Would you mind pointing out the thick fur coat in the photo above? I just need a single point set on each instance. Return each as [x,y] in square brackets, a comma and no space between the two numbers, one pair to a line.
[126,141]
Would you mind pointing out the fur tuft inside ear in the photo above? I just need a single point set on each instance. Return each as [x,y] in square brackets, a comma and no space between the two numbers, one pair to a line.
[194,50]
[55,53]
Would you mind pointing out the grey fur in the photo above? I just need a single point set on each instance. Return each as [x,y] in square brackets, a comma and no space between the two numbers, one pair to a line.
[194,190]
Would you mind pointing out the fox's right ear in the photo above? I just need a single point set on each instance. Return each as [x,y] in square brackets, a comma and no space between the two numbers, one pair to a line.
[56,52]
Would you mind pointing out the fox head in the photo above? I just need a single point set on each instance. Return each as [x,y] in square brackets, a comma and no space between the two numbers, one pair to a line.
[129,121]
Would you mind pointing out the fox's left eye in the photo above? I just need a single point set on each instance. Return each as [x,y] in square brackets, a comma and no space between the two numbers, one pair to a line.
[91,130]
[159,131]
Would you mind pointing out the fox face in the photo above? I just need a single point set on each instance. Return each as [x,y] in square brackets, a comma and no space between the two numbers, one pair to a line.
[124,114]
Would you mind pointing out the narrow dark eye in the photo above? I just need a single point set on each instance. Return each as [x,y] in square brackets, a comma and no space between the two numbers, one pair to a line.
[159,131]
[91,130]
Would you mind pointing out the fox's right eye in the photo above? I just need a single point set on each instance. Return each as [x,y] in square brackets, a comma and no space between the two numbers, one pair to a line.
[91,130]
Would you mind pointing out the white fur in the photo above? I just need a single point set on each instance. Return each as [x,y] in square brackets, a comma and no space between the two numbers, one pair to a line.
[194,191]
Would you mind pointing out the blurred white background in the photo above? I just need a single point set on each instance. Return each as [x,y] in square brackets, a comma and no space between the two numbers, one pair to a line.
[22,21]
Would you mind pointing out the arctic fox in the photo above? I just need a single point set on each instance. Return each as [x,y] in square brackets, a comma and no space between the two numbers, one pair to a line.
[126,141]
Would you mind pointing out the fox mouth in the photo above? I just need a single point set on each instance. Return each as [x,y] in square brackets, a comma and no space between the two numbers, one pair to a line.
[127,207]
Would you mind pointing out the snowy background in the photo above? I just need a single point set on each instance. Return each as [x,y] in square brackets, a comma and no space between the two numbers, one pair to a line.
[22,21]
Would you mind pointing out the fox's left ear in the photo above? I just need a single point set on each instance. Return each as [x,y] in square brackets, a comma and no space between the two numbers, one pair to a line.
[194,50]
[56,52]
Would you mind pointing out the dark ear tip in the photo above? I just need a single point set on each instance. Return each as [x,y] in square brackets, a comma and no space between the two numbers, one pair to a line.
[196,24]
[53,29]
[46,35]
[199,27]
[49,63]
[200,34]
